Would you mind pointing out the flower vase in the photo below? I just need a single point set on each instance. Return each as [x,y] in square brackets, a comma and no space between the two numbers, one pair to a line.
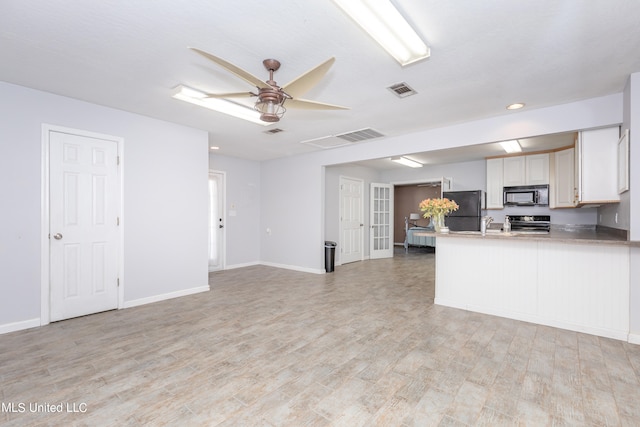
[438,222]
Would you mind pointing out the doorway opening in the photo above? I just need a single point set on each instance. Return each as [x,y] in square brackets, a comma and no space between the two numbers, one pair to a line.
[216,220]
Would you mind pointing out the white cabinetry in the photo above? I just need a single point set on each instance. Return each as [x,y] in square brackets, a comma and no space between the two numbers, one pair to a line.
[537,169]
[562,179]
[597,163]
[526,170]
[576,286]
[494,183]
[514,171]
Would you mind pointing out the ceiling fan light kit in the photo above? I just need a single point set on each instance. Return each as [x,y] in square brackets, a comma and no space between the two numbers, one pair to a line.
[270,103]
[387,26]
[271,97]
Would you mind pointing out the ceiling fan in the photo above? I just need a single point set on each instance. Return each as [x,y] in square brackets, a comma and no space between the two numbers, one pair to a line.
[271,97]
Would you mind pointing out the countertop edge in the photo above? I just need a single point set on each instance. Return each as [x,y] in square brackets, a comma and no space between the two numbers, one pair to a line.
[568,237]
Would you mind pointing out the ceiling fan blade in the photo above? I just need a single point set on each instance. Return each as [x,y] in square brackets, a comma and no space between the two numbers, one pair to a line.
[303,83]
[304,104]
[239,72]
[231,95]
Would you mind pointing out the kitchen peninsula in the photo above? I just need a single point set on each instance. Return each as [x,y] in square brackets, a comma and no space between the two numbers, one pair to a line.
[571,280]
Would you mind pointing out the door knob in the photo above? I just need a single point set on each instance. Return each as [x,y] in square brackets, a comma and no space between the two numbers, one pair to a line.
[57,236]
[221,226]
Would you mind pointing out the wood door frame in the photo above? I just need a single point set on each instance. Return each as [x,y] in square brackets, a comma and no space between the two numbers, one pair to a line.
[45,279]
[362,213]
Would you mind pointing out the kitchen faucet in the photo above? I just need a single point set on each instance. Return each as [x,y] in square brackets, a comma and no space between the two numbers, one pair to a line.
[484,224]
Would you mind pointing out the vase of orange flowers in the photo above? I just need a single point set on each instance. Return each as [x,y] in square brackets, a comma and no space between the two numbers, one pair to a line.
[436,209]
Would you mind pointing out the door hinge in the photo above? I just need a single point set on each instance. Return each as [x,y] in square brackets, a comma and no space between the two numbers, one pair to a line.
[117,220]
[118,282]
[117,160]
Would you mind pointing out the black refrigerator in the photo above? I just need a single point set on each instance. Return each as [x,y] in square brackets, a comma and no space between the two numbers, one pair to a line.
[467,217]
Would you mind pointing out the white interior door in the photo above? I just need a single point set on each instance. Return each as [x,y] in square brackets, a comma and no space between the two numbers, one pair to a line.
[351,220]
[381,233]
[216,220]
[84,204]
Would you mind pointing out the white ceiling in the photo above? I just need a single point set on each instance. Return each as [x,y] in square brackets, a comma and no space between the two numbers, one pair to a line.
[130,55]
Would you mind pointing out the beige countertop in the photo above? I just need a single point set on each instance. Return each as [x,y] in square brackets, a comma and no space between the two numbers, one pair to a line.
[580,236]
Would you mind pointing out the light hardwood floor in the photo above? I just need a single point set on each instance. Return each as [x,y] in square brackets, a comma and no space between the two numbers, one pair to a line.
[363,346]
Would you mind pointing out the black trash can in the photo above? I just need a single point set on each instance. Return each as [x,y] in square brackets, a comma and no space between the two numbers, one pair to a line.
[329,255]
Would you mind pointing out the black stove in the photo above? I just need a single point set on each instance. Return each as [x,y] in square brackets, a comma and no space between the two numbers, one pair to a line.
[530,223]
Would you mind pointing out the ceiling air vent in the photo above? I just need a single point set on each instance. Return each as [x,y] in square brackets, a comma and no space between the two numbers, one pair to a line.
[402,90]
[359,135]
[347,138]
[275,130]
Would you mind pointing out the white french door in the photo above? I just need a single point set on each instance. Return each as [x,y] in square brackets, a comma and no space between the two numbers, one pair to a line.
[216,220]
[351,219]
[381,212]
[84,209]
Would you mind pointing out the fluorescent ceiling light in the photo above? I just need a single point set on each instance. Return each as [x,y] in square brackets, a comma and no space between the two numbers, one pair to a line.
[407,162]
[197,97]
[511,146]
[387,26]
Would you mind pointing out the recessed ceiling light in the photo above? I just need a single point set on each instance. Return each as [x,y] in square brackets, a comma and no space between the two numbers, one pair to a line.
[515,106]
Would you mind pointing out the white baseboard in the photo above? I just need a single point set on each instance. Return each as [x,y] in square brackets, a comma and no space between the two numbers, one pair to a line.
[162,297]
[294,267]
[276,265]
[18,326]
[246,264]
[633,339]
[539,320]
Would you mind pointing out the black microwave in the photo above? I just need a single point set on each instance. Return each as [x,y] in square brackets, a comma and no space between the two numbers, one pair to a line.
[526,195]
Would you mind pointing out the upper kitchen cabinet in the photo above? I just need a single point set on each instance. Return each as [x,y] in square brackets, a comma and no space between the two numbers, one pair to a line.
[513,171]
[494,183]
[562,179]
[596,158]
[532,169]
[537,169]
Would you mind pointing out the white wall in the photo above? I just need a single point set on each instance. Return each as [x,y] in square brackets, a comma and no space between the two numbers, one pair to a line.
[164,200]
[243,232]
[293,212]
[464,175]
[632,121]
[632,117]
